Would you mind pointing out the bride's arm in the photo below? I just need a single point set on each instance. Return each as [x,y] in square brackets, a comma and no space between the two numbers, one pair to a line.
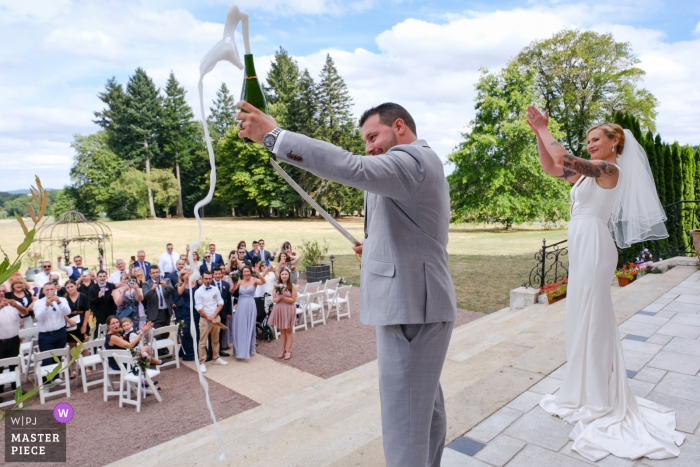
[550,167]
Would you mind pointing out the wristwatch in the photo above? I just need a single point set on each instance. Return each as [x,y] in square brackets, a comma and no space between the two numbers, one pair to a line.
[270,139]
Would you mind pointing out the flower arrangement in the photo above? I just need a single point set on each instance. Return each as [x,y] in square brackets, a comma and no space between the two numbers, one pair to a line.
[342,281]
[628,271]
[141,361]
[279,288]
[235,275]
[555,289]
[34,257]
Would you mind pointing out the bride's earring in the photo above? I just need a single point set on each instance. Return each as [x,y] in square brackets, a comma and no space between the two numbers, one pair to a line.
[613,149]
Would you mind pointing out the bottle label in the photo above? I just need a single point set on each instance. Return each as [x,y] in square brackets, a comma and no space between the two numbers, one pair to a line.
[251,77]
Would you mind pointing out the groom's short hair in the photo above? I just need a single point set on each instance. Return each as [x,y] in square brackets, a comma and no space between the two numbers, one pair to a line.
[388,113]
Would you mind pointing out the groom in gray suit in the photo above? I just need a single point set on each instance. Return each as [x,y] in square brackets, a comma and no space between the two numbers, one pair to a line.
[406,287]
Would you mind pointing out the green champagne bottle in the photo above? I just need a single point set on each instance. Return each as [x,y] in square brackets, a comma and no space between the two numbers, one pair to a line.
[252,90]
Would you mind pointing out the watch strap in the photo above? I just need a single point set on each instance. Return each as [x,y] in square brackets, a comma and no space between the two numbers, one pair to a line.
[274,133]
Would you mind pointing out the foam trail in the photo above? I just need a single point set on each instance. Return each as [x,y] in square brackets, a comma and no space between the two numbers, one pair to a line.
[226,50]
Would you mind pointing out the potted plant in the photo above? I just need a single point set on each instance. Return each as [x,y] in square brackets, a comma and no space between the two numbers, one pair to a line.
[312,254]
[33,258]
[627,274]
[555,291]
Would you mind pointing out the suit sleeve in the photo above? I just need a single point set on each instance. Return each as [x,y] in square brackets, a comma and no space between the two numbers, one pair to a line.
[396,174]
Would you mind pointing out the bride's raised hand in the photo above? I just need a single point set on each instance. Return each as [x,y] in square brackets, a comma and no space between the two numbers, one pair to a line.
[537,121]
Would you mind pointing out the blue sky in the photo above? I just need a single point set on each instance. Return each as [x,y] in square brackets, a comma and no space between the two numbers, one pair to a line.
[57,55]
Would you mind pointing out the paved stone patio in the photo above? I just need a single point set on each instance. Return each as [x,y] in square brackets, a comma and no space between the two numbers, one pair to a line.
[661,345]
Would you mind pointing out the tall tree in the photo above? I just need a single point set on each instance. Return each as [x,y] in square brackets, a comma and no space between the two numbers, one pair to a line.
[283,89]
[179,133]
[583,76]
[223,115]
[677,172]
[497,172]
[111,118]
[688,169]
[697,173]
[305,116]
[334,106]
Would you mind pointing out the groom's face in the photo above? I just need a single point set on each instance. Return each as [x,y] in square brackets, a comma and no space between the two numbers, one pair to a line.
[378,137]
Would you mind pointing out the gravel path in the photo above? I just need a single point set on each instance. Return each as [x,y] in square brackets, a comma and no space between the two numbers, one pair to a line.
[339,346]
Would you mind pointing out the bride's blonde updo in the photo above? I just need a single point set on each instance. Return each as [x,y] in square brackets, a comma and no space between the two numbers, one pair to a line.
[612,131]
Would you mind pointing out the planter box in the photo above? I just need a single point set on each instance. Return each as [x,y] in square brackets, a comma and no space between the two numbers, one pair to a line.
[556,299]
[623,281]
[320,273]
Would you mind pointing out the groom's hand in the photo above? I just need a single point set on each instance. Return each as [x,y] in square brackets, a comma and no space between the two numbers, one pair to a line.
[253,123]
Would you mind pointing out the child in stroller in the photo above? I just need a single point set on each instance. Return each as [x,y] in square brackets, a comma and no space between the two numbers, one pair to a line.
[264,306]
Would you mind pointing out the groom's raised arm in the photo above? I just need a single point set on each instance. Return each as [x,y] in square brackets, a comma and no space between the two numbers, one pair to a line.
[396,174]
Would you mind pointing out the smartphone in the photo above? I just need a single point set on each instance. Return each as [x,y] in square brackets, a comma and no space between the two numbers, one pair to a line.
[133,258]
[267,263]
[55,281]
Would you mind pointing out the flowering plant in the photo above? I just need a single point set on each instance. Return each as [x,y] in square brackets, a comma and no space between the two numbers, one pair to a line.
[235,275]
[630,271]
[342,281]
[141,360]
[34,257]
[555,289]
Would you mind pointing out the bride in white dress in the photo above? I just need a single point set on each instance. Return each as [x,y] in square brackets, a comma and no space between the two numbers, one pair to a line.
[613,197]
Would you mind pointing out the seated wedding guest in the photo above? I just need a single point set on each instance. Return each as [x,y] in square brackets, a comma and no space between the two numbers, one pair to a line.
[208,303]
[115,341]
[157,302]
[127,296]
[10,315]
[284,314]
[216,258]
[51,316]
[130,334]
[44,277]
[79,305]
[246,312]
[141,263]
[226,312]
[116,277]
[21,294]
[166,263]
[101,300]
[73,272]
[87,278]
[183,301]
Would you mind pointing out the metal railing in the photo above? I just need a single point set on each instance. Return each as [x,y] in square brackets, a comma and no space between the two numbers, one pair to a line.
[542,273]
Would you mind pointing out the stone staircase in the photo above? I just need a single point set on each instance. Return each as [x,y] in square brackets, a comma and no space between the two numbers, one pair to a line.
[336,422]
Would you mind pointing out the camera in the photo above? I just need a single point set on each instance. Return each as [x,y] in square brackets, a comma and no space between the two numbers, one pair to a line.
[55,281]
[132,281]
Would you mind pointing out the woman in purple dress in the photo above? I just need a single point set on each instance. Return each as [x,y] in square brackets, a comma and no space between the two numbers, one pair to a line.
[246,311]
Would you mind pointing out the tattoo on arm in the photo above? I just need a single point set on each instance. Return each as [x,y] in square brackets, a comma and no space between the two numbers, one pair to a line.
[587,168]
[567,174]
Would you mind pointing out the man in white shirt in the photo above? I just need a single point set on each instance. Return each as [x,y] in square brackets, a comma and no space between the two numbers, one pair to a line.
[45,276]
[167,260]
[10,312]
[116,277]
[73,272]
[209,303]
[51,314]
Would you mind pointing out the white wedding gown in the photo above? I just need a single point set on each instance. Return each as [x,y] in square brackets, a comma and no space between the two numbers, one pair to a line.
[594,395]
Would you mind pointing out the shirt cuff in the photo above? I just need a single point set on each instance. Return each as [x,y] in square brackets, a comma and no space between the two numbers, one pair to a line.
[275,148]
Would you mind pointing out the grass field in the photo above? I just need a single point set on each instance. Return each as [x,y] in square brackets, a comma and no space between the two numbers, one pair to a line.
[486,263]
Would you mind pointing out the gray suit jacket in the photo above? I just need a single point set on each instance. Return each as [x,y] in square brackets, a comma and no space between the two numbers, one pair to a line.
[150,299]
[405,275]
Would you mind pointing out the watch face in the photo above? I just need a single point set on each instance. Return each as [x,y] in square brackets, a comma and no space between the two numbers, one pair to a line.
[269,141]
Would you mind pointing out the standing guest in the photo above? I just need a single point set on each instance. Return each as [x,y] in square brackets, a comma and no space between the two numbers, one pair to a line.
[21,294]
[292,260]
[156,297]
[226,312]
[79,305]
[242,259]
[10,314]
[209,303]
[264,254]
[44,277]
[139,275]
[51,316]
[183,293]
[207,264]
[73,272]
[116,277]
[142,263]
[175,275]
[254,254]
[127,296]
[115,341]
[284,314]
[166,263]
[246,313]
[101,301]
[195,258]
[241,244]
[232,262]
[216,258]
[86,280]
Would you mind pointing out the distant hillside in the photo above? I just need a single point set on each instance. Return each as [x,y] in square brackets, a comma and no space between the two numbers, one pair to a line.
[25,191]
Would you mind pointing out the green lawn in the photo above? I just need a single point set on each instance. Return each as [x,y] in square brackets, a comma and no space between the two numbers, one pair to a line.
[486,263]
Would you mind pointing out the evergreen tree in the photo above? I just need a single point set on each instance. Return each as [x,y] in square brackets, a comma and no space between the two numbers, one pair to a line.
[111,117]
[283,90]
[677,172]
[668,175]
[223,115]
[689,169]
[697,173]
[179,133]
[654,162]
[334,106]
[308,105]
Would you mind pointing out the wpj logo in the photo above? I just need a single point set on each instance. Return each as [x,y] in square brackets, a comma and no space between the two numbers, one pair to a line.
[37,436]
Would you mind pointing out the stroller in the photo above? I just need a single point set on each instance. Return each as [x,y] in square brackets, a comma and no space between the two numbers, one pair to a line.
[264,307]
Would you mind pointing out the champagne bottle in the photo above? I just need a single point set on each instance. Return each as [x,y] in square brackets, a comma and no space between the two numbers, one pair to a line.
[252,90]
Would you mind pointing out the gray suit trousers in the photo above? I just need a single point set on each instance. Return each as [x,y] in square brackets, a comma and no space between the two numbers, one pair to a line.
[414,422]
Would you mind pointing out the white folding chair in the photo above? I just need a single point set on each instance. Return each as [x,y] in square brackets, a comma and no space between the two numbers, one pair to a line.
[312,287]
[170,343]
[301,313]
[329,287]
[315,304]
[27,348]
[129,381]
[101,331]
[8,377]
[41,370]
[340,299]
[107,386]
[91,360]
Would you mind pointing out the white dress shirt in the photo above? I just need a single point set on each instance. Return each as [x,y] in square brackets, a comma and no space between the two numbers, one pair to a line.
[167,262]
[208,300]
[278,141]
[116,277]
[50,318]
[262,289]
[41,279]
[9,322]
